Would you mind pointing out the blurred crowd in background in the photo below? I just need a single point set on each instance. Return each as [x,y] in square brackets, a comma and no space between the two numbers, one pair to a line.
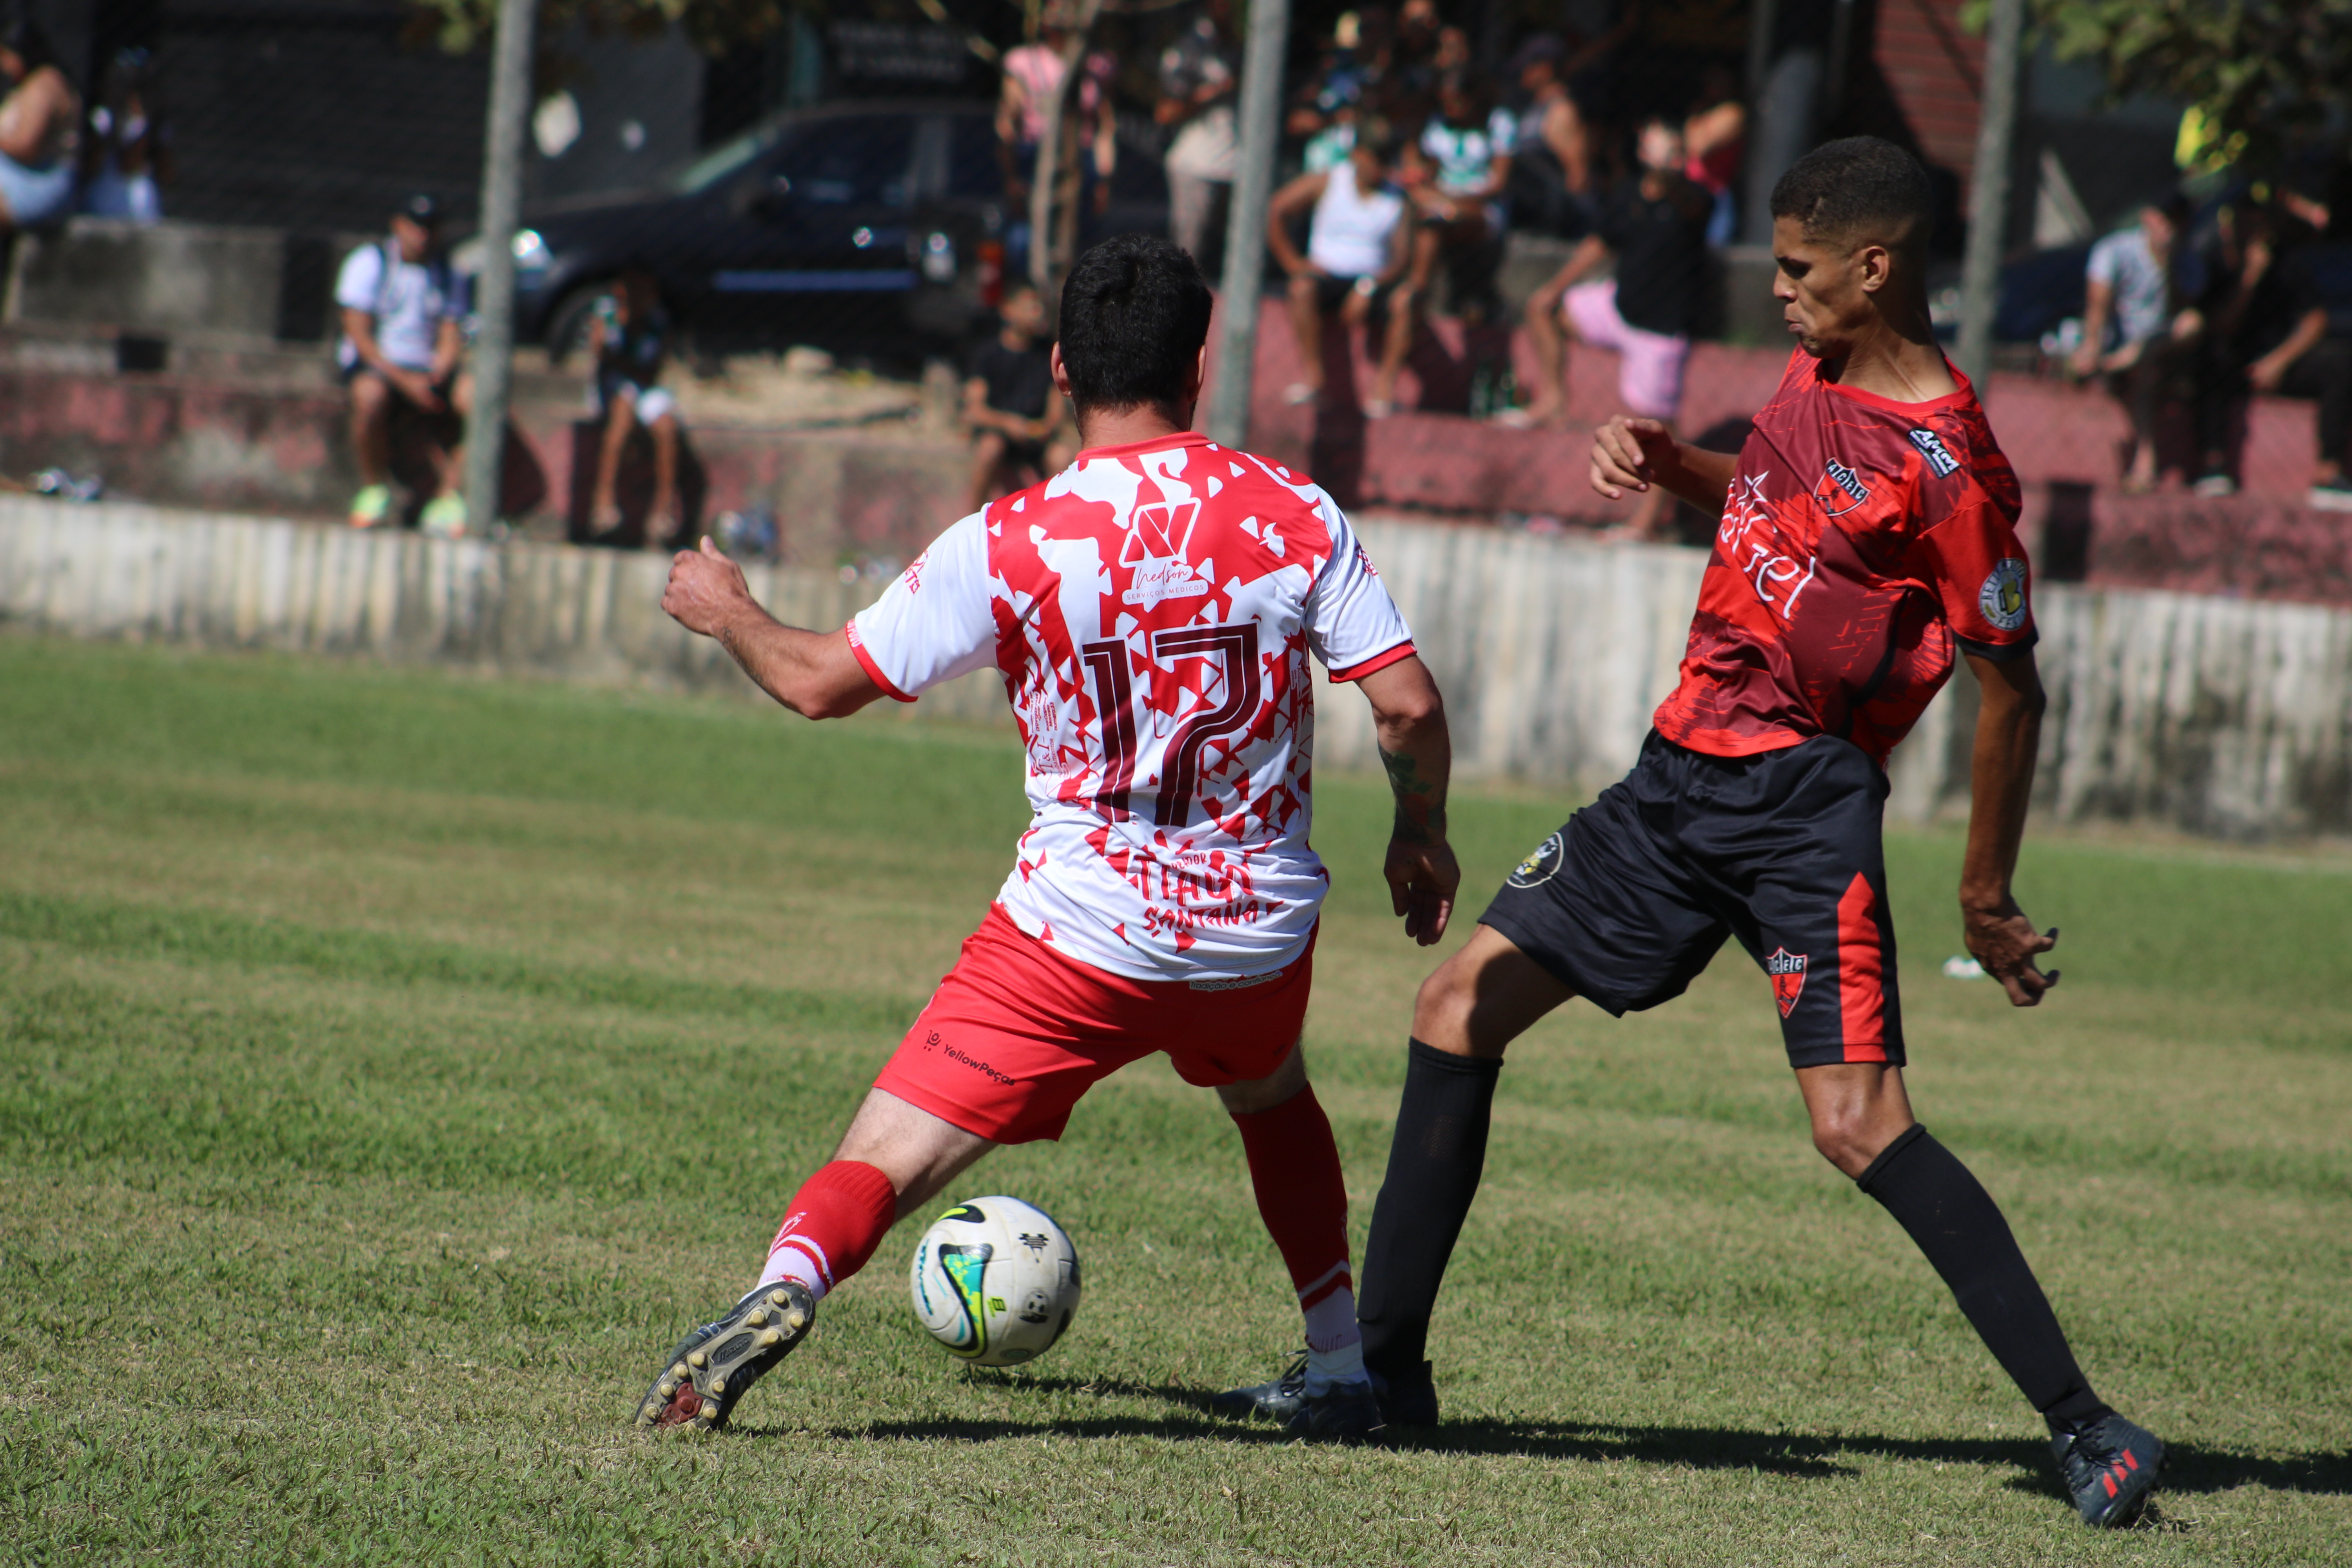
[1576,170]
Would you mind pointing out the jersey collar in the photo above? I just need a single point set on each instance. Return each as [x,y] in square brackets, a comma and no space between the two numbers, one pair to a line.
[1965,396]
[1138,448]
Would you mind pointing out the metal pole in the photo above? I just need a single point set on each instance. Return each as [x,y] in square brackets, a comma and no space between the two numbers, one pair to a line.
[1261,129]
[1988,189]
[510,59]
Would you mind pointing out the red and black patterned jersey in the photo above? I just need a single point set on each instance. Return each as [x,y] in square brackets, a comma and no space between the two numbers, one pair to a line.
[1861,538]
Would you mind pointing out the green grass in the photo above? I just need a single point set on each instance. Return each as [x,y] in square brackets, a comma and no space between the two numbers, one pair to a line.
[392,1064]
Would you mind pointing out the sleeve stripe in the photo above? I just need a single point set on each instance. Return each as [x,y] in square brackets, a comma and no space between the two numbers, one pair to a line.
[857,646]
[2000,652]
[1375,664]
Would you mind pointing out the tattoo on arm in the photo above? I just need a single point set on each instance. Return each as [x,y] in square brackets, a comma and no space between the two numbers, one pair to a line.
[1420,803]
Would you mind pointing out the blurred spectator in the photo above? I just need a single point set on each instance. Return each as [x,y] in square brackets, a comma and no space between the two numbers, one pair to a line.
[628,336]
[403,346]
[1551,156]
[1198,75]
[1010,403]
[1411,81]
[1715,137]
[2265,331]
[1032,76]
[41,120]
[1655,227]
[1457,173]
[1324,113]
[2131,334]
[128,155]
[1358,252]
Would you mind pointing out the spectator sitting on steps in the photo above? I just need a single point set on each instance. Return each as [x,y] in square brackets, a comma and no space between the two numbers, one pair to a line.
[129,154]
[2130,332]
[404,344]
[2267,332]
[1010,405]
[40,120]
[1459,169]
[627,337]
[1655,227]
[1358,250]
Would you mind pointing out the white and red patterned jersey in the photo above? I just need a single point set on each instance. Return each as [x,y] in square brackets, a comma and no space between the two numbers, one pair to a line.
[1152,608]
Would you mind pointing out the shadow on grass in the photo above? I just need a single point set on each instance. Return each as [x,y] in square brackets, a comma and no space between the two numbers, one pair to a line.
[2192,1468]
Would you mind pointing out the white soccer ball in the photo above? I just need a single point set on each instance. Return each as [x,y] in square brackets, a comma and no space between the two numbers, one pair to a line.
[995,1281]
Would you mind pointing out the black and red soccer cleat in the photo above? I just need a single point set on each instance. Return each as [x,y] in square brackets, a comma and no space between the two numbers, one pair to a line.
[1344,1413]
[2110,1466]
[1280,1400]
[717,1364]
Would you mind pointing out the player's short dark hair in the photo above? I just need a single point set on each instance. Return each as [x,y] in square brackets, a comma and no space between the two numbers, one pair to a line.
[1858,184]
[1135,311]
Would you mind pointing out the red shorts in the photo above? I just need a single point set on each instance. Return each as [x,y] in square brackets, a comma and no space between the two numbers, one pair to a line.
[1017,1034]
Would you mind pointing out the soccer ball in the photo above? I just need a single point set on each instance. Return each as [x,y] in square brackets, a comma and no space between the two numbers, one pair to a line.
[995,1281]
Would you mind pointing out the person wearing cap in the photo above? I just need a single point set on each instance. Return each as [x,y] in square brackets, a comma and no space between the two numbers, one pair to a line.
[403,343]
[1551,150]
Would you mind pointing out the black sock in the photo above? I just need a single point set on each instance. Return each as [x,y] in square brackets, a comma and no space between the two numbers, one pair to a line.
[1956,1223]
[1434,1162]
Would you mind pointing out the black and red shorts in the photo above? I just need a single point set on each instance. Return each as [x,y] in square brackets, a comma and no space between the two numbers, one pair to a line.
[1630,900]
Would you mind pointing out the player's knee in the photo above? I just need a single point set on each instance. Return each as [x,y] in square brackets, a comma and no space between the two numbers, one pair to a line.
[1441,1012]
[1848,1137]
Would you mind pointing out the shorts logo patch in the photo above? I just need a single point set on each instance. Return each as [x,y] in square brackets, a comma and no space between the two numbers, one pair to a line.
[1939,456]
[1840,489]
[1540,867]
[2003,597]
[1788,972]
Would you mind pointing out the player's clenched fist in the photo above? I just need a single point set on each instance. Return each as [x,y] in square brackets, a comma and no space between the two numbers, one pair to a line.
[1627,454]
[705,588]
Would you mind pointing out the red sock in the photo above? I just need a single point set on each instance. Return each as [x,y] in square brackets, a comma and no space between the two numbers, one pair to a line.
[1295,1166]
[835,1221]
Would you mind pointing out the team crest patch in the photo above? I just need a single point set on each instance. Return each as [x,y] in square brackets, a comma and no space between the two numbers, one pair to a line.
[1840,489]
[1939,456]
[2003,597]
[1540,867]
[1788,972]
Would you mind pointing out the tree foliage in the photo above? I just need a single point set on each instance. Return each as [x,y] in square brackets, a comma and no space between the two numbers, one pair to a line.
[2256,71]
[462,25]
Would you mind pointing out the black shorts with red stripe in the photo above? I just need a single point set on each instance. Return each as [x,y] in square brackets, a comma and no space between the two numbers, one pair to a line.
[1629,900]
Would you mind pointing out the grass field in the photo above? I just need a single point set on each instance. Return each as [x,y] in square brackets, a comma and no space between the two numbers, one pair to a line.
[394,1063]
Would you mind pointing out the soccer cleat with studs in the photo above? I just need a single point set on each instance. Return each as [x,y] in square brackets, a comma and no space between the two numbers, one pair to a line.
[716,1365]
[2110,1466]
[1280,1400]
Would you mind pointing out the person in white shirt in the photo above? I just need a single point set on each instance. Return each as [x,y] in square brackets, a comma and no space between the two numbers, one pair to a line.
[1358,251]
[2131,333]
[404,344]
[1154,610]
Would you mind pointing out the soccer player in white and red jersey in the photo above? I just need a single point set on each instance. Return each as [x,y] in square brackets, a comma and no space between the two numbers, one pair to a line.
[1867,538]
[1151,610]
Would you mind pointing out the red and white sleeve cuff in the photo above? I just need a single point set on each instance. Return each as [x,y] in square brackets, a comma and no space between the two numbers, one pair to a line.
[1375,664]
[857,646]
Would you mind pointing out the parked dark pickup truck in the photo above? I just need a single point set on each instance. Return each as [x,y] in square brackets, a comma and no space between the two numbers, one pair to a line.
[873,226]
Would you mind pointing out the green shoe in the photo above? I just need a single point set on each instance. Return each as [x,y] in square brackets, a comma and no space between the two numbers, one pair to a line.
[371,505]
[443,517]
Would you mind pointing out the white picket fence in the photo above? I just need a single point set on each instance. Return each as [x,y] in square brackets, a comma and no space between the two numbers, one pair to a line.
[2218,716]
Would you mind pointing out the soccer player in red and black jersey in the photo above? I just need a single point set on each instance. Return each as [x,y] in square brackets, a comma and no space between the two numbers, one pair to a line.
[1866,543]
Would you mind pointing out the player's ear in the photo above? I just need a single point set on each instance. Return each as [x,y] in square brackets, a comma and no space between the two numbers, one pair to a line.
[1873,265]
[1198,377]
[1061,372]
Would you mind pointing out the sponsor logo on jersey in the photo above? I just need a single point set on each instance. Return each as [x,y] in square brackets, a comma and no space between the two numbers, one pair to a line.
[1154,551]
[1788,972]
[1939,456]
[1542,866]
[1840,489]
[2003,597]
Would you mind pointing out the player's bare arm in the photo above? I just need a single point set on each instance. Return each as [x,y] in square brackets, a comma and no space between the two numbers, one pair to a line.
[1415,748]
[2009,732]
[814,674]
[1629,454]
